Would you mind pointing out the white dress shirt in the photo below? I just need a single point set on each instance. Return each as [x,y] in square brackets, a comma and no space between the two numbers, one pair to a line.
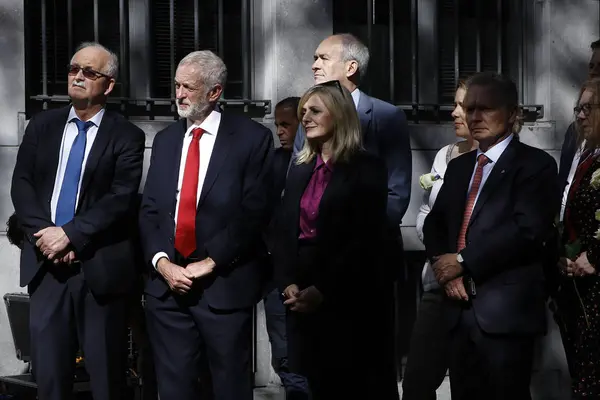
[210,126]
[69,134]
[572,171]
[356,97]
[493,155]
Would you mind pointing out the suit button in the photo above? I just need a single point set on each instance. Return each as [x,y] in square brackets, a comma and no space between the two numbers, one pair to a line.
[171,239]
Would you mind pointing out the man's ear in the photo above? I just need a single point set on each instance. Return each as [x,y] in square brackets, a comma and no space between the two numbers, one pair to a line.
[351,68]
[111,86]
[215,93]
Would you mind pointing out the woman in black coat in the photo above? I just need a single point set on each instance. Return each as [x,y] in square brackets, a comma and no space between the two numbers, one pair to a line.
[328,256]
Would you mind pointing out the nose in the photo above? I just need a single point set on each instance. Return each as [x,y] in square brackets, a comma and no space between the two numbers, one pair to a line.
[79,75]
[316,65]
[581,115]
[179,92]
[280,131]
[455,112]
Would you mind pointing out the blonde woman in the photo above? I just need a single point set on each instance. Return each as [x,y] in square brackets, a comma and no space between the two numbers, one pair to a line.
[328,257]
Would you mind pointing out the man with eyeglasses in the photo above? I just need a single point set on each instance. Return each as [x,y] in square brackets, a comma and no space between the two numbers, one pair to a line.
[74,187]
[343,58]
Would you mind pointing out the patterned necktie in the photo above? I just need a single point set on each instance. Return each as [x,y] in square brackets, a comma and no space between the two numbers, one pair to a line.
[185,233]
[67,199]
[482,160]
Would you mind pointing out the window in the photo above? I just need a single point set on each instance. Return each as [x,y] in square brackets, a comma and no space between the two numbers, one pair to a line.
[174,28]
[420,48]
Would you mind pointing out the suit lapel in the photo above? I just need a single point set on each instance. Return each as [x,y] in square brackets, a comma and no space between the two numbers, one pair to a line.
[223,143]
[364,110]
[52,144]
[102,139]
[338,178]
[174,160]
[498,173]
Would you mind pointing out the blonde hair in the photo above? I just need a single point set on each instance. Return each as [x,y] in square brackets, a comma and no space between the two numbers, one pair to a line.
[593,85]
[347,138]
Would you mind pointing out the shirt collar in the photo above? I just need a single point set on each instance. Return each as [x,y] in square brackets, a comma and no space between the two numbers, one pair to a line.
[96,119]
[495,152]
[355,97]
[210,124]
[320,163]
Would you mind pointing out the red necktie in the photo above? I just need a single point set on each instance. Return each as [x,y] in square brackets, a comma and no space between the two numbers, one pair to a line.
[481,161]
[185,233]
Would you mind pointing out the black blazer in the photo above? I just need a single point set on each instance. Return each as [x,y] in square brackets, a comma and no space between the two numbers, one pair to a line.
[232,211]
[505,239]
[100,231]
[351,226]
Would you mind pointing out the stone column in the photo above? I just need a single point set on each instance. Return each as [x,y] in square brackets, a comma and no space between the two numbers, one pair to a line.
[285,36]
[12,115]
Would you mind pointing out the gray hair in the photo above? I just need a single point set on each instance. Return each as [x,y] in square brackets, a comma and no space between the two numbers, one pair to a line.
[112,66]
[354,50]
[212,69]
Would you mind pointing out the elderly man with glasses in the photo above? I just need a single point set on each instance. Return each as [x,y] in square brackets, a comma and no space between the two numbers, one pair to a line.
[74,187]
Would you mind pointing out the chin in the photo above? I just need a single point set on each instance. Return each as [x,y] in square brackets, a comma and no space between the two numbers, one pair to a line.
[320,79]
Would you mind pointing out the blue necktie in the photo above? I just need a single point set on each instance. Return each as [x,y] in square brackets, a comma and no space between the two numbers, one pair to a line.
[65,209]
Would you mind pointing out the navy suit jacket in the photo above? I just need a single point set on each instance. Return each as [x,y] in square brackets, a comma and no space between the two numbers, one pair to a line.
[100,232]
[505,238]
[231,214]
[385,133]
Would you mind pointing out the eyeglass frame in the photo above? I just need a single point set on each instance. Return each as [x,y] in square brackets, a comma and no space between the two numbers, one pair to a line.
[73,70]
[584,107]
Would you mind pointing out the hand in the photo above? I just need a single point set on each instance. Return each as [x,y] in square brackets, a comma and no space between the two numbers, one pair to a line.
[455,289]
[291,292]
[308,300]
[582,266]
[565,266]
[446,268]
[178,278]
[68,259]
[201,268]
[52,242]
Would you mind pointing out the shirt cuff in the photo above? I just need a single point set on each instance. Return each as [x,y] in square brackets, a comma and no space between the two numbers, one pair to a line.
[157,257]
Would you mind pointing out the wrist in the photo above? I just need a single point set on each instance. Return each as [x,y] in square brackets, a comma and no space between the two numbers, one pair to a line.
[161,264]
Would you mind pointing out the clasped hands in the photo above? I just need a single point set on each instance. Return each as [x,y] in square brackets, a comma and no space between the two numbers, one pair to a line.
[180,279]
[580,267]
[54,243]
[305,301]
[448,272]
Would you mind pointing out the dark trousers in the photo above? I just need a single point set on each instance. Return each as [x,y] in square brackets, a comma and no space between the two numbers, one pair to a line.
[66,316]
[294,384]
[190,339]
[427,361]
[485,366]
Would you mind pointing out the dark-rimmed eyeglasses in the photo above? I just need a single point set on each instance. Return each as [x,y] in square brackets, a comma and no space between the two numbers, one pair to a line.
[87,72]
[586,108]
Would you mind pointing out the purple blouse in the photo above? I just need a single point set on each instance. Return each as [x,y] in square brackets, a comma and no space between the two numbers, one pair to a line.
[309,203]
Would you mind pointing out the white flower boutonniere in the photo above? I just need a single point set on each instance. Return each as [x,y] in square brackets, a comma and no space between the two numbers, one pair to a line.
[426,180]
[595,181]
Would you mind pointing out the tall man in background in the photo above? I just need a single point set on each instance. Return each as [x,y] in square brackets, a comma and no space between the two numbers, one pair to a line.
[344,58]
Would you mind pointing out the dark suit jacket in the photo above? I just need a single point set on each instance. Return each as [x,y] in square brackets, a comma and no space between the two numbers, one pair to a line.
[100,230]
[505,239]
[385,133]
[231,214]
[350,227]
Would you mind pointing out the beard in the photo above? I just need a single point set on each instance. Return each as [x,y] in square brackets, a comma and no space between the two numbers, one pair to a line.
[194,110]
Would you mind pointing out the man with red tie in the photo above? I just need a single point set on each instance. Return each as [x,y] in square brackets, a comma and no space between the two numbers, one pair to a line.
[204,208]
[485,237]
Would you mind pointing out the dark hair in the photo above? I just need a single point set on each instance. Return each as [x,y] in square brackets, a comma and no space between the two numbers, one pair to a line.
[595,45]
[14,233]
[505,92]
[288,102]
